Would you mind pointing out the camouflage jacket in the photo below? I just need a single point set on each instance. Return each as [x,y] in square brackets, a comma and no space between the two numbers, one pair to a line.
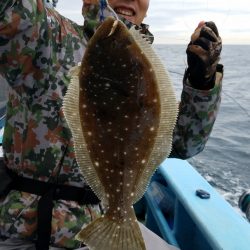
[37,48]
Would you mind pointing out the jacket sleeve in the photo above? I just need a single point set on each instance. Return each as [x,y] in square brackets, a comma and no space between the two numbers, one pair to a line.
[197,113]
[20,21]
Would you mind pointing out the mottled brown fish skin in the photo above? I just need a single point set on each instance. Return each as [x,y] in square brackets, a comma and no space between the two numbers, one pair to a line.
[119,112]
[117,98]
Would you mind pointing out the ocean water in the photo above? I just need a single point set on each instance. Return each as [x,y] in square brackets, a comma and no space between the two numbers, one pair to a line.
[225,161]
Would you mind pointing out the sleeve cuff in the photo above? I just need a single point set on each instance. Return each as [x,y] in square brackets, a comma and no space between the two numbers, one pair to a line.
[194,92]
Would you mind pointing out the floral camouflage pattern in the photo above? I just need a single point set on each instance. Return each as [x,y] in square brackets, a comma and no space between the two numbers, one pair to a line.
[37,48]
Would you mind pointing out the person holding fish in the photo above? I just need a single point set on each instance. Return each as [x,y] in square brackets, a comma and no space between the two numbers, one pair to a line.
[49,201]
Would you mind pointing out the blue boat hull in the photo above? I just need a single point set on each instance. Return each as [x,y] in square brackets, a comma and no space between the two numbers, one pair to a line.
[191,222]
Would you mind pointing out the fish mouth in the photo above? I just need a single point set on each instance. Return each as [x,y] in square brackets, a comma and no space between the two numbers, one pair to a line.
[126,12]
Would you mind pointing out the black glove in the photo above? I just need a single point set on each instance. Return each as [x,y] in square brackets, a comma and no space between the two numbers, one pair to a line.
[203,55]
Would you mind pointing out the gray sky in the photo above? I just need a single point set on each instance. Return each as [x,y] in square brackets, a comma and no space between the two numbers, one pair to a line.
[173,21]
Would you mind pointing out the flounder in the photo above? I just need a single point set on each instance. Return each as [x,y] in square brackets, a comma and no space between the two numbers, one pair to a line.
[121,109]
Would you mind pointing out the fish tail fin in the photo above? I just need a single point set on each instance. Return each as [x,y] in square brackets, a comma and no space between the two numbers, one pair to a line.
[107,234]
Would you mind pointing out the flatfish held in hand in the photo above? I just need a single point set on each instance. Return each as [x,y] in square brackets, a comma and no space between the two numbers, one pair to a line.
[121,109]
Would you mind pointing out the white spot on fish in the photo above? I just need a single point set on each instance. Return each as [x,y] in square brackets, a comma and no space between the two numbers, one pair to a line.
[143,161]
[152,129]
[97,163]
[89,133]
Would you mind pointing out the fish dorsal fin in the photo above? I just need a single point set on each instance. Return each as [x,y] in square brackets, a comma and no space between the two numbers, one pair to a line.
[71,112]
[169,110]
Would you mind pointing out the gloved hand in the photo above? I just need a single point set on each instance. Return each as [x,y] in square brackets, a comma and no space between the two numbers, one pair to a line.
[203,55]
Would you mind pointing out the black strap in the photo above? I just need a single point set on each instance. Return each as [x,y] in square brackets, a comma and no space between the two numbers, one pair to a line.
[48,193]
[83,195]
[44,218]
[5,179]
